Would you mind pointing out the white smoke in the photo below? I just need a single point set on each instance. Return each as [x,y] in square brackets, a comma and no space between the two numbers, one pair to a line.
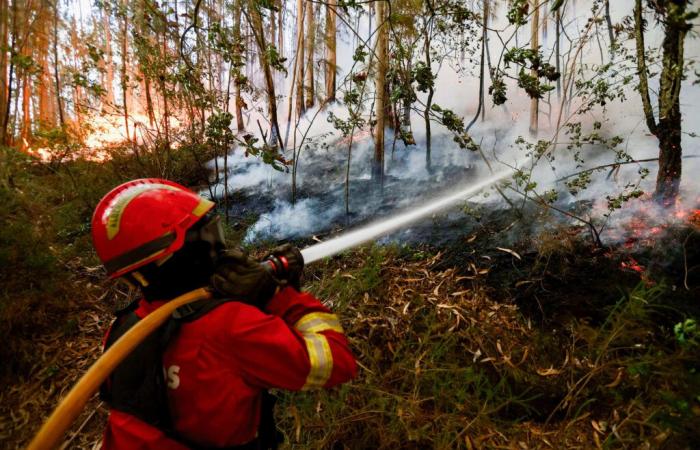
[496,135]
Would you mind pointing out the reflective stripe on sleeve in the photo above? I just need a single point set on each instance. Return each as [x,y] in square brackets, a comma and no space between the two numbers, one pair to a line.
[315,322]
[320,356]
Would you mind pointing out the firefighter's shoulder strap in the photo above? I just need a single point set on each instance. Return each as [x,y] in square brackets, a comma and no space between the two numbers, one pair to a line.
[138,386]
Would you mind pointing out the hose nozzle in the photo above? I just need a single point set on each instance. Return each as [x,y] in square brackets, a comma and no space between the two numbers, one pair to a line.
[277,266]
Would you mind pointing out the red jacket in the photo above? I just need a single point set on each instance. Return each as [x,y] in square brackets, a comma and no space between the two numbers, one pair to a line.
[217,366]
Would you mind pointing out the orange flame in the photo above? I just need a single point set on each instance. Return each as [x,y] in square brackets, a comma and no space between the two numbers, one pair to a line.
[101,133]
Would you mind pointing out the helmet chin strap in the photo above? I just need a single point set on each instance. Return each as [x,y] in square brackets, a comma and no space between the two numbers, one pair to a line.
[188,268]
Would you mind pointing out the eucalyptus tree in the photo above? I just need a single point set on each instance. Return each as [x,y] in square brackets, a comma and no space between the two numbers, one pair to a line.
[676,17]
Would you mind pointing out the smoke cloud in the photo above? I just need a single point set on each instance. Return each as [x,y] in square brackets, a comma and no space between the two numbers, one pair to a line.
[323,157]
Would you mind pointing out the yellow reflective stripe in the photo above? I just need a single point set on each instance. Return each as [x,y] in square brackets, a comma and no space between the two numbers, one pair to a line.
[321,360]
[320,357]
[113,215]
[318,321]
[202,208]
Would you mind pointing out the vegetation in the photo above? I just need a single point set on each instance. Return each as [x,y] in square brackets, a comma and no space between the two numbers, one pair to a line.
[573,326]
[444,365]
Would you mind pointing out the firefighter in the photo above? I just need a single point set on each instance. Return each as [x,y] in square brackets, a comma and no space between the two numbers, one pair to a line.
[201,380]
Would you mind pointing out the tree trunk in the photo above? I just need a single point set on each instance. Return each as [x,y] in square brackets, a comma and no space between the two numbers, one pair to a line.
[238,107]
[57,79]
[484,44]
[26,130]
[668,129]
[481,105]
[428,104]
[380,93]
[255,20]
[668,178]
[280,27]
[670,83]
[310,44]
[557,50]
[4,84]
[125,58]
[273,27]
[301,4]
[77,53]
[608,20]
[534,45]
[331,59]
[109,64]
[47,106]
[165,93]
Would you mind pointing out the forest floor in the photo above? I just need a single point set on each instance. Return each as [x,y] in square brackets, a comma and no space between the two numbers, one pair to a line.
[501,351]
[541,341]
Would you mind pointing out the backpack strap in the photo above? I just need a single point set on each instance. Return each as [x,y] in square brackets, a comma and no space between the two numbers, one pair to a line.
[193,311]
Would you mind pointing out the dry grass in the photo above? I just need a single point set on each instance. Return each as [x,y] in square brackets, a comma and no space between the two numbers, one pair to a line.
[443,365]
[56,361]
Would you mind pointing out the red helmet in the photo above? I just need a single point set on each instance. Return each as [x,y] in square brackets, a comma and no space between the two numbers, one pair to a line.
[143,220]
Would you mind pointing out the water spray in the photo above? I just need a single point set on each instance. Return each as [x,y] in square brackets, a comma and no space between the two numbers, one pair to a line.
[378,229]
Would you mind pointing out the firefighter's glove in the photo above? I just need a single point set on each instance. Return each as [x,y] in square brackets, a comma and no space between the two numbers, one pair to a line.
[242,278]
[295,262]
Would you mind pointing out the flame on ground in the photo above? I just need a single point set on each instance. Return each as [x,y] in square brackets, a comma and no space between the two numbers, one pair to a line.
[100,134]
[641,222]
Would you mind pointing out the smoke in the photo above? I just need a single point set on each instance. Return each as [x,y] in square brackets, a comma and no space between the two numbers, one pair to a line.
[323,156]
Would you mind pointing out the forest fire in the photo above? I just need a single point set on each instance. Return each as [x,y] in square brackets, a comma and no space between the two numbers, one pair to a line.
[98,134]
[483,216]
[632,264]
[647,222]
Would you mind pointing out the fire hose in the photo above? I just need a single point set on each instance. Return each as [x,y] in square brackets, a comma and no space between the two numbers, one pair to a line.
[72,404]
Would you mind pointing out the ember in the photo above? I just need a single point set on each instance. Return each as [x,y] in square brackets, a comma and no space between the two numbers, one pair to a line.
[632,264]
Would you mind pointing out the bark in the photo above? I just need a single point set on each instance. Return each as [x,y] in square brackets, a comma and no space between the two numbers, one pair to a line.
[255,20]
[238,107]
[273,28]
[125,58]
[557,50]
[108,64]
[165,94]
[484,44]
[26,131]
[428,105]
[668,128]
[47,106]
[77,51]
[380,93]
[608,20]
[280,27]
[669,123]
[300,104]
[310,44]
[149,100]
[57,79]
[642,71]
[534,45]
[331,58]
[480,109]
[4,83]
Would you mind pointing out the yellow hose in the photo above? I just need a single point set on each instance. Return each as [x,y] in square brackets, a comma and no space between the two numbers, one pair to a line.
[72,404]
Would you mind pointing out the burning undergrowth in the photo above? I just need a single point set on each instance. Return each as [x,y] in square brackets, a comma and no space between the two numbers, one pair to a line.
[552,347]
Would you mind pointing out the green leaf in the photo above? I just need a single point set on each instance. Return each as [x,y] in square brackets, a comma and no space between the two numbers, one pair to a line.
[556,5]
